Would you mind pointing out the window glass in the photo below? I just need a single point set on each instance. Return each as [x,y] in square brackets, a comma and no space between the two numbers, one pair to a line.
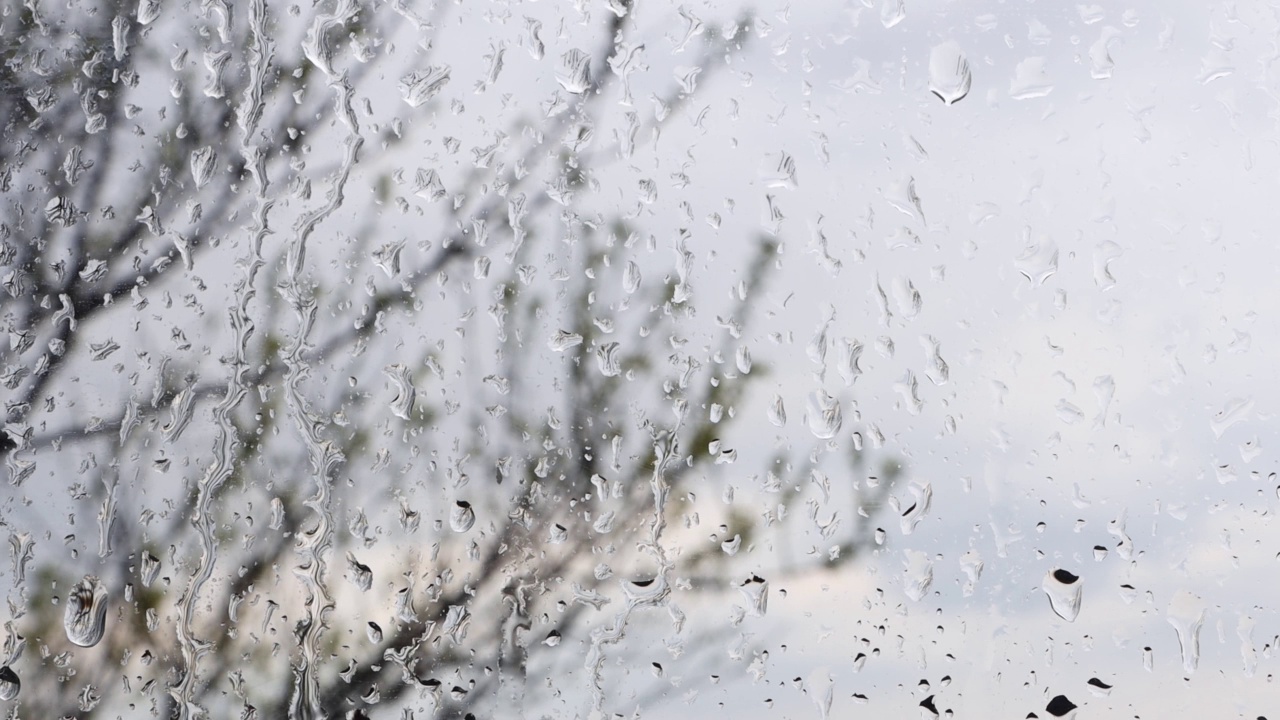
[602,359]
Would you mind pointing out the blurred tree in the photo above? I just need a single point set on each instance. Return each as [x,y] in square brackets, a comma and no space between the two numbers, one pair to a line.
[205,384]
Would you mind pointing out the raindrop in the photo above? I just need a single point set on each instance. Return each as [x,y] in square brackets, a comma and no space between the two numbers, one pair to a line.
[1030,80]
[85,619]
[1039,260]
[1232,412]
[892,12]
[631,277]
[949,76]
[901,194]
[148,11]
[462,517]
[575,72]
[914,513]
[1065,592]
[607,359]
[823,415]
[420,86]
[361,574]
[780,173]
[730,547]
[1186,614]
[936,369]
[9,683]
[777,413]
[428,185]
[1099,688]
[150,569]
[821,689]
[563,340]
[203,162]
[375,633]
[402,403]
[1060,706]
[756,590]
[918,575]
[848,352]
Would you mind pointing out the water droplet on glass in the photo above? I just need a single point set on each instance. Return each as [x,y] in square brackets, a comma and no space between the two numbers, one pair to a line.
[892,12]
[1060,707]
[148,11]
[462,517]
[780,172]
[203,164]
[756,590]
[901,194]
[361,574]
[823,415]
[402,403]
[420,86]
[971,565]
[563,340]
[1030,80]
[557,534]
[1065,592]
[949,76]
[150,569]
[848,353]
[1232,412]
[821,689]
[936,369]
[85,619]
[375,633]
[910,517]
[1186,614]
[918,575]
[575,72]
[1039,260]
[428,185]
[777,413]
[10,684]
[730,547]
[607,359]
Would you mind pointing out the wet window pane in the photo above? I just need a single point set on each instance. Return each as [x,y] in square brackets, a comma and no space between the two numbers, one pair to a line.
[622,359]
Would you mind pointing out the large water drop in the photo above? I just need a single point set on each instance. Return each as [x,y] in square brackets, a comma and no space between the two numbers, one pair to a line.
[462,517]
[1186,614]
[9,683]
[1065,592]
[417,88]
[756,592]
[949,76]
[823,415]
[85,619]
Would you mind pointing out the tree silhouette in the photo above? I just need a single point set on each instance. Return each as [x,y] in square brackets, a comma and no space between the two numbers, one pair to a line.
[335,434]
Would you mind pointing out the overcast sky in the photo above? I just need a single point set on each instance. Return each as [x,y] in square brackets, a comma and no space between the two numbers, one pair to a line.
[1092,250]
